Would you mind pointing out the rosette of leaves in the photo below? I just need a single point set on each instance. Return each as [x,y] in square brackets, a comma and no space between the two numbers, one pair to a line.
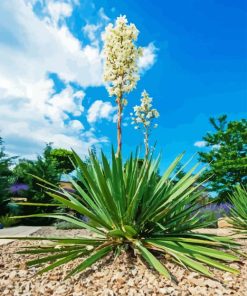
[129,208]
[238,212]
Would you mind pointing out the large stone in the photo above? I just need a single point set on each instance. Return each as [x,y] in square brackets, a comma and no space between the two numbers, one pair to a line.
[224,223]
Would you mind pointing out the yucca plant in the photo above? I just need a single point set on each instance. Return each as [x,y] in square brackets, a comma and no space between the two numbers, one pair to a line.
[130,208]
[238,212]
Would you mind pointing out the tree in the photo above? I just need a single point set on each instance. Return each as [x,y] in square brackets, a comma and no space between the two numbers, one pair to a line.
[143,118]
[5,178]
[63,158]
[226,155]
[120,68]
[44,167]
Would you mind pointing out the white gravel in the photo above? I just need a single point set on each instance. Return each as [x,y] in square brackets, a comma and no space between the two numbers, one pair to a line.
[124,276]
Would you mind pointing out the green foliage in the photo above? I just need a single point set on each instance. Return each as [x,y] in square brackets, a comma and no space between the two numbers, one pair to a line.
[8,221]
[239,209]
[63,159]
[227,155]
[129,208]
[45,167]
[5,178]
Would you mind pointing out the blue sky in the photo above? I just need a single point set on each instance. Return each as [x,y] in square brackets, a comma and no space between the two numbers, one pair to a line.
[194,67]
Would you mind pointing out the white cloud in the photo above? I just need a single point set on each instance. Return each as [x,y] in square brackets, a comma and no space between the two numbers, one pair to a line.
[94,31]
[102,15]
[26,124]
[101,110]
[59,10]
[30,112]
[76,124]
[67,101]
[35,46]
[91,30]
[31,47]
[148,58]
[200,144]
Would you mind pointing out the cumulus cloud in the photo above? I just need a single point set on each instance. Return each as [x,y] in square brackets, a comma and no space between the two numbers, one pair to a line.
[200,144]
[31,113]
[37,46]
[59,10]
[101,110]
[90,31]
[76,124]
[94,31]
[148,57]
[32,110]
[102,15]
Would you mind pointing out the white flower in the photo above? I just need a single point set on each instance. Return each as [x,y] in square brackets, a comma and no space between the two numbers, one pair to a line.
[144,116]
[156,113]
[121,55]
[124,102]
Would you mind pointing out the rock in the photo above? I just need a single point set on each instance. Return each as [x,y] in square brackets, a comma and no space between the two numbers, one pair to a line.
[212,284]
[13,274]
[134,272]
[124,276]
[163,290]
[197,282]
[224,223]
[23,273]
[130,283]
[54,277]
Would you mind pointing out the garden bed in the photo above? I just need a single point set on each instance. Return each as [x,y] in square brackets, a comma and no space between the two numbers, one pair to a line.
[124,276]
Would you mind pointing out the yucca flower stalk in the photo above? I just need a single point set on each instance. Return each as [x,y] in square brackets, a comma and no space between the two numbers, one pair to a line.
[120,67]
[131,209]
[143,118]
[238,211]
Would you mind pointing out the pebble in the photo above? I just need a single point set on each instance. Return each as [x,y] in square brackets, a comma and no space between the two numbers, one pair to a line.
[124,276]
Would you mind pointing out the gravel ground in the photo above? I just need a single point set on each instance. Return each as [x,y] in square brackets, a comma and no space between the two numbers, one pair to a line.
[124,276]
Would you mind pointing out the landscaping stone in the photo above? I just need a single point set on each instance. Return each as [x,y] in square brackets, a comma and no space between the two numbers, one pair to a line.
[223,223]
[22,231]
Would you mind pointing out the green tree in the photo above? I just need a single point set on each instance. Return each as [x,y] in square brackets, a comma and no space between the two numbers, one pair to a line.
[226,155]
[44,167]
[179,171]
[5,178]
[63,159]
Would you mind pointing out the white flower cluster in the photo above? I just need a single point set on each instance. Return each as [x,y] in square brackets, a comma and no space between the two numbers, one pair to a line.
[143,115]
[121,55]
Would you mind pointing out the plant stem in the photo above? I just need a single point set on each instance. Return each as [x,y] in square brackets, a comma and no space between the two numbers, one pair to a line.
[146,142]
[119,127]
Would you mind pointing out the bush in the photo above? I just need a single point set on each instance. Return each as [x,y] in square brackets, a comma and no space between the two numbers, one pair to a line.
[211,213]
[8,221]
[133,210]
